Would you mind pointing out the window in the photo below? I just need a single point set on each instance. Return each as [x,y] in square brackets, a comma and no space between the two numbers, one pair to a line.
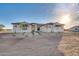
[49,26]
[25,28]
[15,25]
[76,28]
[57,25]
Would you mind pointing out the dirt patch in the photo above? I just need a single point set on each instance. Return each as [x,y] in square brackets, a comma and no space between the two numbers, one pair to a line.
[37,45]
[7,40]
[69,44]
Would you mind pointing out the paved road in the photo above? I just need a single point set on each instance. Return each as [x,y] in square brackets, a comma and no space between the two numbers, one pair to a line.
[37,45]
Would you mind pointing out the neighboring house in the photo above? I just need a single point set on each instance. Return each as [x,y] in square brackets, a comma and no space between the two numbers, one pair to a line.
[48,27]
[74,29]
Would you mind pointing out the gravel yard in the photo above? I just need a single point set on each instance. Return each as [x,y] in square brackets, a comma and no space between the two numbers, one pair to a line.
[69,45]
[29,45]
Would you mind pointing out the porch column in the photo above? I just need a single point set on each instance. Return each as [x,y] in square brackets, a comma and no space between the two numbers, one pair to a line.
[35,27]
[30,28]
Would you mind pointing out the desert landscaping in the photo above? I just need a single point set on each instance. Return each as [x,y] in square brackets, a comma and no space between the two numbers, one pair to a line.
[30,45]
[69,45]
[39,29]
[46,44]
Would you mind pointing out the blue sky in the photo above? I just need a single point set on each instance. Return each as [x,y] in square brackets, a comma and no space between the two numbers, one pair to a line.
[40,13]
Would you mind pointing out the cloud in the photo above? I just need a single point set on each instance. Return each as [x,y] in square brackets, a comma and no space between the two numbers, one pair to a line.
[68,8]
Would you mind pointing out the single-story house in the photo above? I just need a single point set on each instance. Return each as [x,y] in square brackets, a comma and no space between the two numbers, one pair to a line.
[48,27]
[74,29]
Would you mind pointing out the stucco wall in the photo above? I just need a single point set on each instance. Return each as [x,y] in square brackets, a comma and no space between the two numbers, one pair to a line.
[16,29]
[46,28]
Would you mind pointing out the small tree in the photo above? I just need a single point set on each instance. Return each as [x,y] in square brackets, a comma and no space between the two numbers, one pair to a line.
[1,27]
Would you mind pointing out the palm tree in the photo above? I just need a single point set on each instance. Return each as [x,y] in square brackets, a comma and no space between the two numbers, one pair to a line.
[1,27]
